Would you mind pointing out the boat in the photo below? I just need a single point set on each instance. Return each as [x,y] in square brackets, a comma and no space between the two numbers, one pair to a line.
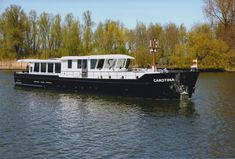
[107,74]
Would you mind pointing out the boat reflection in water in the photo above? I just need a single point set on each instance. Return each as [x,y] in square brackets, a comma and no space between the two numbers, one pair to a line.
[107,104]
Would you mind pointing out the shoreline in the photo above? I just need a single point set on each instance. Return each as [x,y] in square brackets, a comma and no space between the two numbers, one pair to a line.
[12,65]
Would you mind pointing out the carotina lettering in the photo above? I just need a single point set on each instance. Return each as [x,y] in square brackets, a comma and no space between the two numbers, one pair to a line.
[164,80]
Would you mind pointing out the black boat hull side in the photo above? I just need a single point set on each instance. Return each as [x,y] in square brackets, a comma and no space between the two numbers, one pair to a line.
[155,86]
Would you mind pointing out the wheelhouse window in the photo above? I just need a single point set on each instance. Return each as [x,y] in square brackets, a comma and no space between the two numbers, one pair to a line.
[100,64]
[93,63]
[50,67]
[120,63]
[69,63]
[57,67]
[43,67]
[79,64]
[128,61]
[36,67]
[109,63]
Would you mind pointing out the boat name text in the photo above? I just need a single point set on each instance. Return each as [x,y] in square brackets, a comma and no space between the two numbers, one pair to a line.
[164,80]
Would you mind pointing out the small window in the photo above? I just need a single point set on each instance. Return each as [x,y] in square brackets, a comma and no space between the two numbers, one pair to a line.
[57,68]
[43,67]
[93,63]
[36,67]
[100,64]
[69,63]
[128,61]
[79,64]
[50,67]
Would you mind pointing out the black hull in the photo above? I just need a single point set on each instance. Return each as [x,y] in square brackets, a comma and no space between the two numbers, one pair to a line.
[156,86]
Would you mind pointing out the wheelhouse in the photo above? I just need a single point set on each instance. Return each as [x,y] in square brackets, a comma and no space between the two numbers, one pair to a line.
[96,63]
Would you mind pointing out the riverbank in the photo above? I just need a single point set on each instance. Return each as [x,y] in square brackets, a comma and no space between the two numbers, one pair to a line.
[12,65]
[231,69]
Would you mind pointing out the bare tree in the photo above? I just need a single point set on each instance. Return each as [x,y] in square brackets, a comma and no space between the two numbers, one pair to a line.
[222,11]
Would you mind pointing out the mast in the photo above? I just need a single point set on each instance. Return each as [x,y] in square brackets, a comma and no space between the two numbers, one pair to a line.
[153,46]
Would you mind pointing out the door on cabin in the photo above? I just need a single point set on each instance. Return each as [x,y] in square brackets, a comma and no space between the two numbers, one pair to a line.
[84,69]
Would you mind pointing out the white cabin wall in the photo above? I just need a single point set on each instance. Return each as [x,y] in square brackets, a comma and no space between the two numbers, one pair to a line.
[88,64]
[74,65]
[64,65]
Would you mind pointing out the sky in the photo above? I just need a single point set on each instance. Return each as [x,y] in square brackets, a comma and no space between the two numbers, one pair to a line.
[129,12]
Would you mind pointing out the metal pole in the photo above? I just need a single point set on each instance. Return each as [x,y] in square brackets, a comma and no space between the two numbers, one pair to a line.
[154,61]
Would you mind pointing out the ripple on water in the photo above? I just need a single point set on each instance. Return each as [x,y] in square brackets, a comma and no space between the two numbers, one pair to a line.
[51,124]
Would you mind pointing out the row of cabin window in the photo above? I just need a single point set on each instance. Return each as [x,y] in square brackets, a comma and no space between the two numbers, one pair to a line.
[50,67]
[108,63]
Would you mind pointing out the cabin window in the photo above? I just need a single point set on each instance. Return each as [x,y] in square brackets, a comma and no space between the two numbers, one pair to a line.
[36,67]
[50,67]
[109,63]
[93,63]
[57,68]
[128,61]
[120,63]
[69,63]
[43,67]
[100,64]
[79,64]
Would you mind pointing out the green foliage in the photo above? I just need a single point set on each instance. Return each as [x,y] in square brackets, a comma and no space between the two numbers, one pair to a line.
[71,33]
[110,38]
[87,35]
[13,30]
[45,36]
[211,52]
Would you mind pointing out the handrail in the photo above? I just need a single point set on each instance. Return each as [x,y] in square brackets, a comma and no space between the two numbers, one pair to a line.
[104,74]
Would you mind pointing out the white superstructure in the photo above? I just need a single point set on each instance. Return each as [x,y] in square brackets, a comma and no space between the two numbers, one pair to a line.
[113,66]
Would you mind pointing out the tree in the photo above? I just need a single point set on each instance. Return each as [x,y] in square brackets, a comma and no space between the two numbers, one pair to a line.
[142,56]
[34,31]
[71,33]
[13,30]
[130,41]
[220,10]
[110,38]
[56,34]
[210,52]
[2,38]
[87,35]
[99,38]
[222,13]
[169,39]
[44,34]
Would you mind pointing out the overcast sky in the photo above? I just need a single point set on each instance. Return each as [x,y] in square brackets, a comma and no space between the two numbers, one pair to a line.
[187,12]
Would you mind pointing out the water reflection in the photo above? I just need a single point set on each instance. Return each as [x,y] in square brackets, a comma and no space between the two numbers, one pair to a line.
[89,102]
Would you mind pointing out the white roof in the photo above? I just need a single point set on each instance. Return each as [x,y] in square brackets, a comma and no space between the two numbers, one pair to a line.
[110,56]
[38,60]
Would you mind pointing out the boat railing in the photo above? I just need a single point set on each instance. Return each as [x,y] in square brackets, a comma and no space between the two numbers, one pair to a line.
[103,74]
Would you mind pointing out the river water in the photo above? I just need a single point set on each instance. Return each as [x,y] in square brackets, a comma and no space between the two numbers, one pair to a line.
[38,123]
